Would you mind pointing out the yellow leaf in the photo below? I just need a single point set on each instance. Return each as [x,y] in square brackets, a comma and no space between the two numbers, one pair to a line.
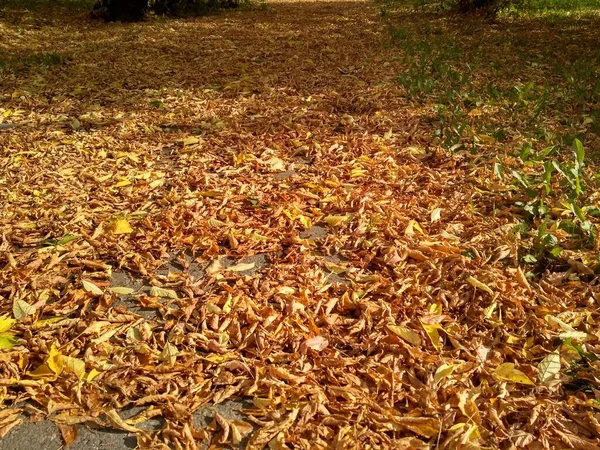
[336,221]
[89,377]
[165,293]
[91,287]
[549,367]
[433,334]
[73,365]
[120,226]
[38,324]
[479,285]
[122,183]
[445,370]
[436,214]
[487,312]
[435,308]
[191,141]
[96,327]
[42,371]
[6,323]
[405,333]
[55,360]
[22,309]
[508,372]
[305,221]
[412,226]
[169,353]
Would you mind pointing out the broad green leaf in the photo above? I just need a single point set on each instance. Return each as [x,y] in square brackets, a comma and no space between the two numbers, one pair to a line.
[508,372]
[549,367]
[164,293]
[22,309]
[121,290]
[445,370]
[91,287]
[66,240]
[406,333]
[7,341]
[6,323]
[579,152]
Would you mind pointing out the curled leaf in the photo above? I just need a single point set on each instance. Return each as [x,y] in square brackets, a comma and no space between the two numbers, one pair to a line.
[479,285]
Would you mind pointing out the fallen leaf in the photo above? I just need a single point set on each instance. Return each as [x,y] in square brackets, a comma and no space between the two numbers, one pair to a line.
[317,343]
[22,309]
[433,334]
[156,291]
[479,285]
[508,372]
[445,370]
[7,341]
[6,323]
[91,287]
[549,367]
[68,433]
[120,226]
[410,336]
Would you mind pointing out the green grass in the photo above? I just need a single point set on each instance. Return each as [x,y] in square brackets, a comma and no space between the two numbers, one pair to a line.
[518,93]
[37,4]
[44,60]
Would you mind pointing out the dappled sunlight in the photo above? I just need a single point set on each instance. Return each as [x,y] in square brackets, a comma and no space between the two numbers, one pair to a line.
[307,210]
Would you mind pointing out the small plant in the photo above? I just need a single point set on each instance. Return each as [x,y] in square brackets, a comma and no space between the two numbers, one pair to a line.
[553,212]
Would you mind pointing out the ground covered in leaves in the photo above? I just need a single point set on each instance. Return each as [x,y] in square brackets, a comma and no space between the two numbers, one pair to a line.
[370,227]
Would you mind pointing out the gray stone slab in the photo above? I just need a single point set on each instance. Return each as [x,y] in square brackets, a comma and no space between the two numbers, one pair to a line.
[314,233]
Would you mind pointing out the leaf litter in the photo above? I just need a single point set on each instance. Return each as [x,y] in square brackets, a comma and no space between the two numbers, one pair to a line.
[432,342]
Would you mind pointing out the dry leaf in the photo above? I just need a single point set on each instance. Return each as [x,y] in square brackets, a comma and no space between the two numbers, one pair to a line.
[120,226]
[410,336]
[508,372]
[91,287]
[22,309]
[317,344]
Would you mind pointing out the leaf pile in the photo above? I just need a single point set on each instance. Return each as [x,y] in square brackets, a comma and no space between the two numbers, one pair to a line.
[292,236]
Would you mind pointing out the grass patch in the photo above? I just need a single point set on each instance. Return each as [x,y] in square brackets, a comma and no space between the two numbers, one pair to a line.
[523,94]
[43,60]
